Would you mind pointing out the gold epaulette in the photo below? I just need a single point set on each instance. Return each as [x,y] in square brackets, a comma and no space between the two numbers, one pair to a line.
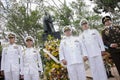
[104,28]
[23,51]
[115,25]
[5,45]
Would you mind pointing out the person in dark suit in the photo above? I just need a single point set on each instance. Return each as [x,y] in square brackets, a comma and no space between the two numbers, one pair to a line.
[111,39]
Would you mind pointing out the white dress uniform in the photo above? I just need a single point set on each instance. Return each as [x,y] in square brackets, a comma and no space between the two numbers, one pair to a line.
[10,62]
[94,45]
[31,64]
[71,51]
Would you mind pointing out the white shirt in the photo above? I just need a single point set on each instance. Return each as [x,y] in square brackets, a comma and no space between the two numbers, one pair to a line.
[93,42]
[31,62]
[10,58]
[71,50]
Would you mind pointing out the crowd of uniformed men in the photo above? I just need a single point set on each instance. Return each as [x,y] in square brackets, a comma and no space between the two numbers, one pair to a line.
[89,46]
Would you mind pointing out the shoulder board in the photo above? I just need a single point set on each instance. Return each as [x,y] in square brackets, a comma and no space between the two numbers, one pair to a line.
[63,38]
[116,25]
[105,28]
[76,40]
[6,45]
[23,50]
[35,50]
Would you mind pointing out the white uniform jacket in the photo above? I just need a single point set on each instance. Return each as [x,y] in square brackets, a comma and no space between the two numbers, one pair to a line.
[71,49]
[30,61]
[10,58]
[92,41]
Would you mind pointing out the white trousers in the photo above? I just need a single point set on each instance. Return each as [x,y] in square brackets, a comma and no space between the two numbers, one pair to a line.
[97,68]
[31,77]
[12,75]
[76,72]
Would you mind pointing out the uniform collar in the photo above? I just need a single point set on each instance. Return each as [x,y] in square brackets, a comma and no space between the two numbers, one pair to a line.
[85,31]
[30,48]
[109,26]
[68,37]
[12,44]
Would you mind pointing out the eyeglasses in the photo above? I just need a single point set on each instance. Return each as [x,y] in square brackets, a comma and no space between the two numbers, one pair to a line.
[28,40]
[84,23]
[67,30]
[11,37]
[106,20]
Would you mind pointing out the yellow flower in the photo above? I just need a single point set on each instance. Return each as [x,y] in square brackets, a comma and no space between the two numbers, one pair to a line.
[52,69]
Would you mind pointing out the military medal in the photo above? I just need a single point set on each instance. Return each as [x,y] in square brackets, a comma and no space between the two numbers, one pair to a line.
[93,33]
[34,51]
[76,43]
[15,47]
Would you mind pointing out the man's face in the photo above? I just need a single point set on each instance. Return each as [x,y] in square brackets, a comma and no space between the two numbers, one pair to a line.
[11,39]
[85,26]
[29,43]
[68,33]
[108,22]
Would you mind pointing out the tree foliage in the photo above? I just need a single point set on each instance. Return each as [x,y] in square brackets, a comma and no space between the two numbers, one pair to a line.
[21,19]
[71,15]
[23,22]
[108,6]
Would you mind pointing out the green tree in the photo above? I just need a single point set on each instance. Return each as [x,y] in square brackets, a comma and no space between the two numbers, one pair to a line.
[108,6]
[23,21]
[81,11]
[73,13]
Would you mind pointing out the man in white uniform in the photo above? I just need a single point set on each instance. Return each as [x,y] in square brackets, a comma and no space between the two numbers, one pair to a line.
[10,59]
[70,54]
[31,64]
[95,49]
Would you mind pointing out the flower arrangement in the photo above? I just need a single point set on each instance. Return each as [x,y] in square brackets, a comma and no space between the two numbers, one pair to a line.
[53,70]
